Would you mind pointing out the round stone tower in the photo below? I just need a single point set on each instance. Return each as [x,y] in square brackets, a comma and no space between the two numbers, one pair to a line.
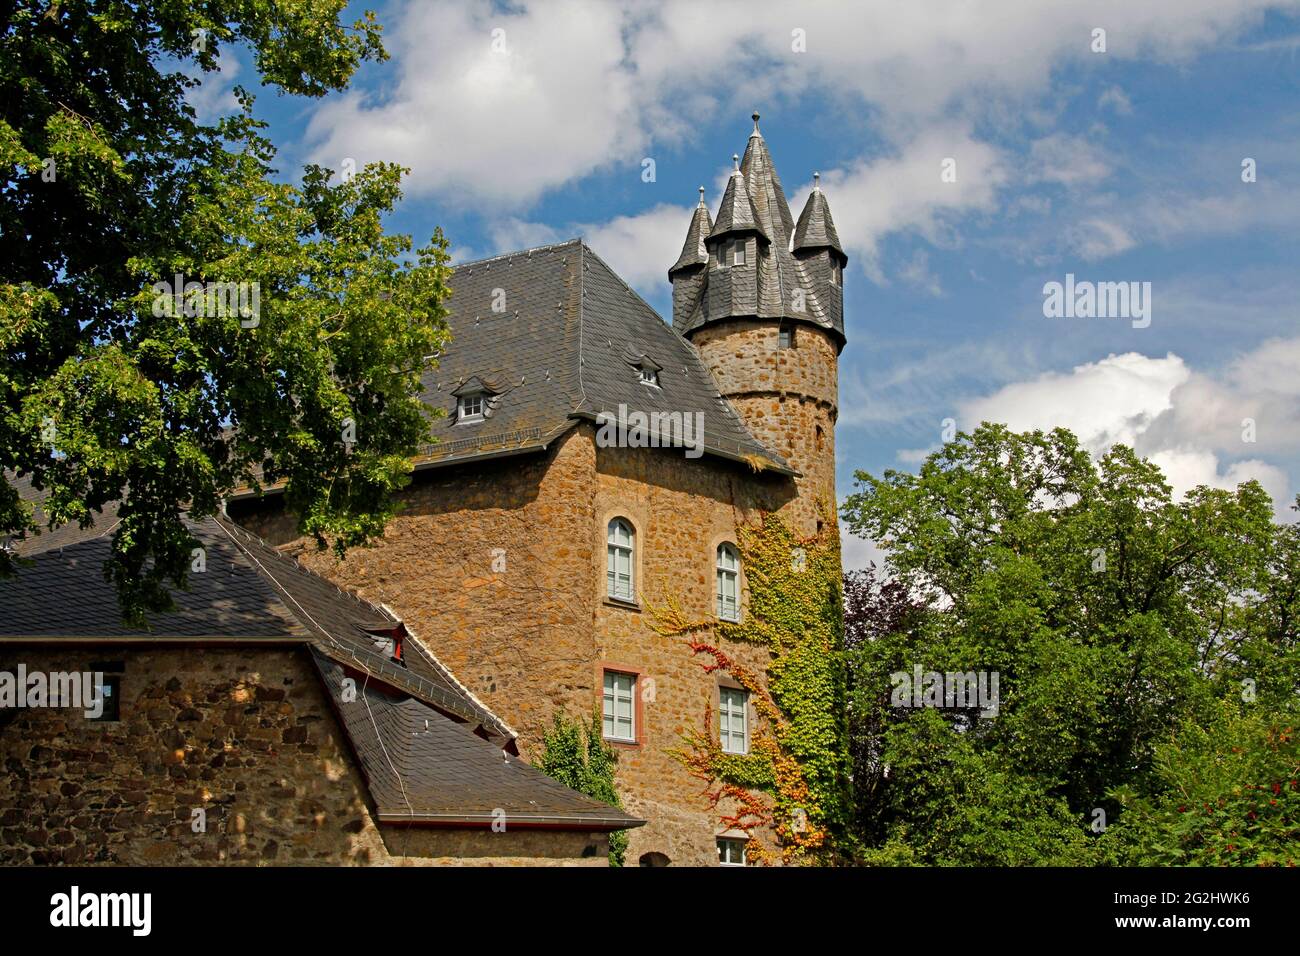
[761,299]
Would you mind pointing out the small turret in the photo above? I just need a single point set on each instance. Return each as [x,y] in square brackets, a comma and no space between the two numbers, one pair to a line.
[817,247]
[687,273]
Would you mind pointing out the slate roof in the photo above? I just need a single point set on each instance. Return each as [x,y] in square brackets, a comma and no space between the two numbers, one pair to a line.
[766,290]
[693,251]
[816,228]
[421,767]
[736,211]
[450,770]
[557,354]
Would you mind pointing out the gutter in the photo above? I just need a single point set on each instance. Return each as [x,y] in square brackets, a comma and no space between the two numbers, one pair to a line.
[769,464]
[516,821]
[425,463]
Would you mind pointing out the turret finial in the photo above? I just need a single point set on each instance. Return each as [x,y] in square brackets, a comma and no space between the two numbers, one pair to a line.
[754,117]
[735,159]
[817,182]
[701,195]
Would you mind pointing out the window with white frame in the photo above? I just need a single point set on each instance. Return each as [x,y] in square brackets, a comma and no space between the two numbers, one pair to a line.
[649,376]
[733,722]
[469,408]
[620,544]
[731,852]
[738,252]
[836,271]
[619,708]
[728,582]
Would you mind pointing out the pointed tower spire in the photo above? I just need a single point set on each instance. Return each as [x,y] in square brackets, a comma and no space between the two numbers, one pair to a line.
[816,228]
[736,214]
[754,268]
[693,251]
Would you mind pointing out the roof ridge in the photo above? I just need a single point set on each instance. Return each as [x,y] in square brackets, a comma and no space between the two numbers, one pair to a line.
[517,252]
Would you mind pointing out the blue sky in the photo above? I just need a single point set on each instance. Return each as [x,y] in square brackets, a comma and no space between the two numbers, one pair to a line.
[528,123]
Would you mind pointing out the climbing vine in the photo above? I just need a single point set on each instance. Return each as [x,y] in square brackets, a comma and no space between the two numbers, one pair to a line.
[794,780]
[574,753]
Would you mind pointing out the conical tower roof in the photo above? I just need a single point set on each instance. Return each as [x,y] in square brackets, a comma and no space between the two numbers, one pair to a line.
[693,251]
[816,228]
[765,192]
[776,284]
[737,214]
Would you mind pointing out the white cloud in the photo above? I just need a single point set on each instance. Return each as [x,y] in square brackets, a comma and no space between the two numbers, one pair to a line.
[1104,402]
[552,103]
[1069,160]
[639,248]
[857,553]
[1097,238]
[1116,99]
[582,86]
[214,97]
[1189,423]
[905,192]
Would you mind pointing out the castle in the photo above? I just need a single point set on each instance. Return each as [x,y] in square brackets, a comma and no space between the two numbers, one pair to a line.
[530,551]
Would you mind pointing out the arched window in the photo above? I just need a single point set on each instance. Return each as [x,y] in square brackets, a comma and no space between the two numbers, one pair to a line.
[728,582]
[618,551]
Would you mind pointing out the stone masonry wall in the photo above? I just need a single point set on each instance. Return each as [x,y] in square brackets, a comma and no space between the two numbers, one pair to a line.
[245,734]
[488,565]
[535,637]
[681,512]
[787,397]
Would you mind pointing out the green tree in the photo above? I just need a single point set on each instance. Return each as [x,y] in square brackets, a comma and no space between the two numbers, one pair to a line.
[1117,620]
[113,389]
[575,754]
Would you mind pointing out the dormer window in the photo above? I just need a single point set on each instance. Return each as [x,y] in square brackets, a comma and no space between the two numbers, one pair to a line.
[836,273]
[647,369]
[738,252]
[469,408]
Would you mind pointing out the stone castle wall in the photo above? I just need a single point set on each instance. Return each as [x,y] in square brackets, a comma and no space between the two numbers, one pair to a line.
[245,734]
[533,638]
[789,399]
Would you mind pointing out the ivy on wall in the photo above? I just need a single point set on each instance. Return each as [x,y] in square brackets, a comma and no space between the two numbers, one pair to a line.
[575,754]
[794,780]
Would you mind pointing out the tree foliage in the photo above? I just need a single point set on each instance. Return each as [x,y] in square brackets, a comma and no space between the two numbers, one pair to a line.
[575,754]
[1146,650]
[109,183]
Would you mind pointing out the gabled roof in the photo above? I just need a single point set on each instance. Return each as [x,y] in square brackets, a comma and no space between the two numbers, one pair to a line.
[422,768]
[558,354]
[415,729]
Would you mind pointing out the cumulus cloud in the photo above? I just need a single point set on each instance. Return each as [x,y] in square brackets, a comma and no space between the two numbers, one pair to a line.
[1189,423]
[639,248]
[905,192]
[498,105]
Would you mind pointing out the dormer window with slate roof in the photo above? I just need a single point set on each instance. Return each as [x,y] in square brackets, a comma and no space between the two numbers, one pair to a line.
[647,369]
[475,400]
